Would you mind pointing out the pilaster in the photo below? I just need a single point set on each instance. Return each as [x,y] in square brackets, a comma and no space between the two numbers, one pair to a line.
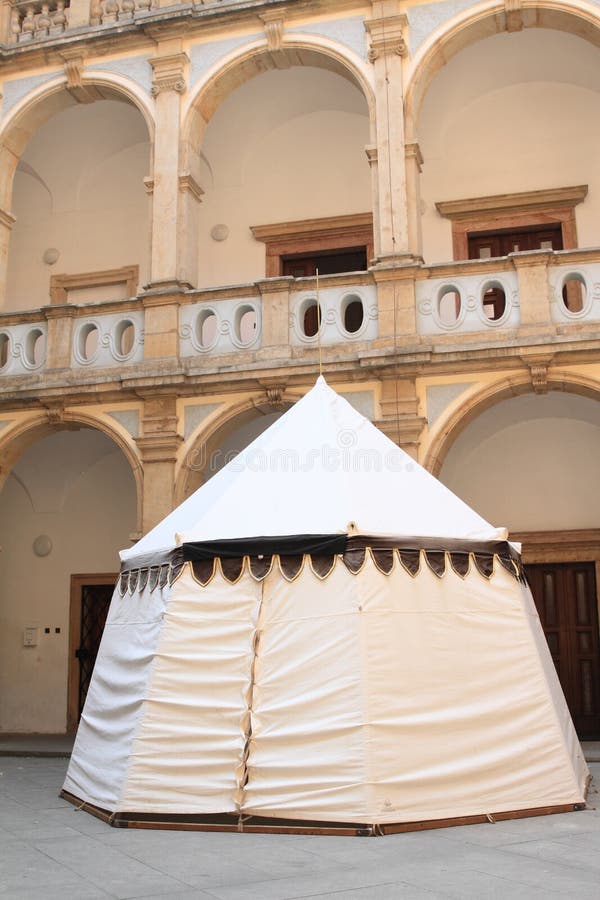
[399,414]
[158,446]
[386,51]
[169,83]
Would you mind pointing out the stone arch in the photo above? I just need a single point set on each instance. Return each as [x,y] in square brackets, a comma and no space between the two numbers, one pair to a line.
[485,21]
[41,104]
[202,456]
[256,58]
[34,428]
[455,423]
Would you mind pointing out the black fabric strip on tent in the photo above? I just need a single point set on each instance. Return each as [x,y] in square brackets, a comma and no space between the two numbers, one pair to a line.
[283,545]
[332,544]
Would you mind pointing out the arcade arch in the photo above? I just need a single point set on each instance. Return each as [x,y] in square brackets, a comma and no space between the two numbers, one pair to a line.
[67,505]
[73,180]
[528,462]
[486,128]
[252,125]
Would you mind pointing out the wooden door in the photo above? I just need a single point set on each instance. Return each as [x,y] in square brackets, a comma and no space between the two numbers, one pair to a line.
[566,600]
[90,600]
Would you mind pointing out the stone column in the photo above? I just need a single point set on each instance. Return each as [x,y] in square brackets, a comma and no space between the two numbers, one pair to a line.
[387,48]
[158,447]
[399,414]
[168,85]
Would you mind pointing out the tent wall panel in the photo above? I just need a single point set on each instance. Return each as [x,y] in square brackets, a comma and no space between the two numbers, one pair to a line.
[188,750]
[307,757]
[114,701]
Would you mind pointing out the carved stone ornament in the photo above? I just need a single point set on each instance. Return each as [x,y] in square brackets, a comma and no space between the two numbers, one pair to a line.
[514,15]
[386,37]
[169,73]
[538,369]
[55,413]
[274,395]
[273,24]
[74,68]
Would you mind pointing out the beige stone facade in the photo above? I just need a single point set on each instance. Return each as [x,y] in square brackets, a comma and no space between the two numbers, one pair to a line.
[162,163]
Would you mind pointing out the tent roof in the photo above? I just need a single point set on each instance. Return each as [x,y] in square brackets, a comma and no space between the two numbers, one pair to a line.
[322,468]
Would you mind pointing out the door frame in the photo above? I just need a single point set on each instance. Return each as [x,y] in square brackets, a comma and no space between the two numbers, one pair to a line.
[78,582]
[582,545]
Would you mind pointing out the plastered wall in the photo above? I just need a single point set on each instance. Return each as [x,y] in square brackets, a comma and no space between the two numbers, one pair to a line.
[77,488]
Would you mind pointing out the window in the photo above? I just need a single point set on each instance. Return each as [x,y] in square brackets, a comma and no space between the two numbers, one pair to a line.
[485,227]
[334,244]
[327,262]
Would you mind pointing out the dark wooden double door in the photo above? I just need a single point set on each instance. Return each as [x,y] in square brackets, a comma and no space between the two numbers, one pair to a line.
[566,599]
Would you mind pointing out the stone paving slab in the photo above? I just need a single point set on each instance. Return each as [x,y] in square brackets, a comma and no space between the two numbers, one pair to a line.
[49,849]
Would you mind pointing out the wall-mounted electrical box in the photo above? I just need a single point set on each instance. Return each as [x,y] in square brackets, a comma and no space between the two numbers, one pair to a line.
[31,637]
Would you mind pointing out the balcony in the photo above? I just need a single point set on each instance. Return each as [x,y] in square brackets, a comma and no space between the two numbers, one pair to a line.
[500,305]
[31,22]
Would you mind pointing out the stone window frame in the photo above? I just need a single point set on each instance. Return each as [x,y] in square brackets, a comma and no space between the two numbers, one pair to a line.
[513,211]
[309,236]
[60,285]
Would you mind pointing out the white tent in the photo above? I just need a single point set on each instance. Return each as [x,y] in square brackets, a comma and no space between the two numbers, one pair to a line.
[323,633]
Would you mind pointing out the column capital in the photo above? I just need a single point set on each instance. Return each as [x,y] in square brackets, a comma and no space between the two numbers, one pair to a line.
[156,448]
[169,73]
[413,151]
[387,36]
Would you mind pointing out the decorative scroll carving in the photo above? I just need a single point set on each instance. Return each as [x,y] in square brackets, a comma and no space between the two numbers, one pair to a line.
[273,22]
[386,36]
[74,66]
[55,412]
[274,395]
[538,368]
[169,73]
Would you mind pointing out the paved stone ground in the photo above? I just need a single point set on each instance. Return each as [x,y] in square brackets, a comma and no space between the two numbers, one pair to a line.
[49,850]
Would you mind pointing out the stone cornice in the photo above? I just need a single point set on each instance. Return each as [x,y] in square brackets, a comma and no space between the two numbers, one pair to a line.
[521,202]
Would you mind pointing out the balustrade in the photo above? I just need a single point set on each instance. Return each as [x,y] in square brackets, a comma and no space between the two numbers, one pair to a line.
[282,317]
[22,348]
[104,341]
[32,21]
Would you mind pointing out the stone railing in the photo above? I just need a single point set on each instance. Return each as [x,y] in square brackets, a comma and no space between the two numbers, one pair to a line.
[574,289]
[220,326]
[104,12]
[532,296]
[34,21]
[110,339]
[464,302]
[22,347]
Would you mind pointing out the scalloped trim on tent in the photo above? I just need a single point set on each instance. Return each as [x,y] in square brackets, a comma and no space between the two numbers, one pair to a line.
[290,567]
